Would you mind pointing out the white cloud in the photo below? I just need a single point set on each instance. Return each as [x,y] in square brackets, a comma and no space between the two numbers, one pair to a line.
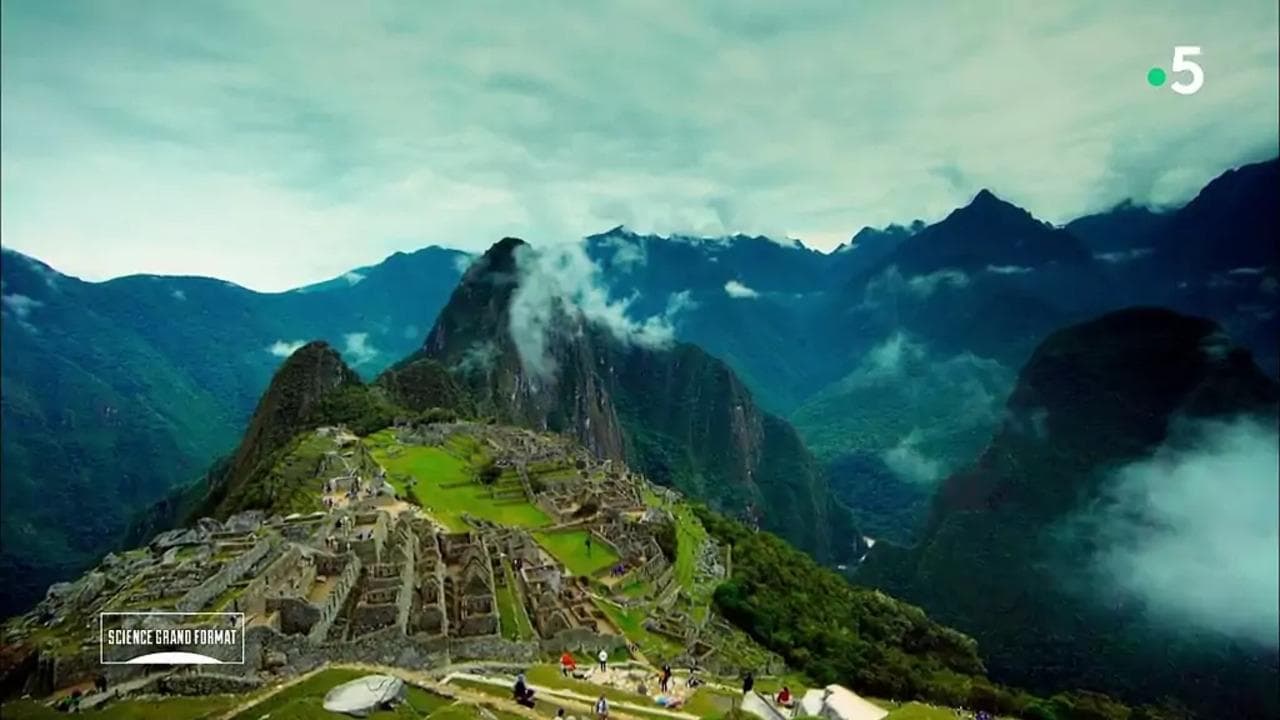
[1123,256]
[559,280]
[908,463]
[357,349]
[629,250]
[285,348]
[20,305]
[888,357]
[735,289]
[1193,530]
[462,261]
[256,134]
[889,286]
[352,277]
[178,295]
[922,286]
[478,358]
[1009,269]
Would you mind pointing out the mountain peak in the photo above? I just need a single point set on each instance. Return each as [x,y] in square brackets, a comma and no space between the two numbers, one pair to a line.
[499,258]
[988,203]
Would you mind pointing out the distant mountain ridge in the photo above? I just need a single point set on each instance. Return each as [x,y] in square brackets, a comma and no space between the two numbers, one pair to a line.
[153,400]
[116,392]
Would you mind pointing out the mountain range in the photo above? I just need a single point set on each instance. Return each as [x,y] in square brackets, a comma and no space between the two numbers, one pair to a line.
[891,357]
[1084,518]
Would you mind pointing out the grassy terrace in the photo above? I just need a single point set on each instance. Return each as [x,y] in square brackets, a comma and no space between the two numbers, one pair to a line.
[198,708]
[304,700]
[630,622]
[444,483]
[570,548]
[513,619]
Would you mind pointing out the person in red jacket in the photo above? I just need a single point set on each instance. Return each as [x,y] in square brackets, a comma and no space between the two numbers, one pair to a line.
[784,697]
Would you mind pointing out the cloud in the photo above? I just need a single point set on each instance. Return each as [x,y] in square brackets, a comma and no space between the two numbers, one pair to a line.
[1009,269]
[1123,256]
[922,286]
[20,305]
[411,332]
[908,463]
[735,289]
[478,358]
[628,251]
[558,282]
[888,287]
[923,413]
[357,349]
[890,356]
[255,134]
[462,262]
[1193,532]
[352,277]
[178,295]
[283,348]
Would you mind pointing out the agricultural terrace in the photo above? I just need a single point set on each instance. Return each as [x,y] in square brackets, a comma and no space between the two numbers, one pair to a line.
[571,548]
[442,480]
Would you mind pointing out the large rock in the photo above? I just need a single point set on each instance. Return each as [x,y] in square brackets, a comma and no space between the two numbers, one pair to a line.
[362,696]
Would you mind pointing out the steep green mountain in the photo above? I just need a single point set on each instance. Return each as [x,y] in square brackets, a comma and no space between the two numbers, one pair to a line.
[117,392]
[533,358]
[1029,535]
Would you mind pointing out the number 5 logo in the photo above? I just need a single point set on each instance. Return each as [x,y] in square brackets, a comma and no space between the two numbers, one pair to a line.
[1182,64]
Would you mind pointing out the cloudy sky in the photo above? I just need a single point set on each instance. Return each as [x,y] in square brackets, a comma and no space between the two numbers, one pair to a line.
[277,143]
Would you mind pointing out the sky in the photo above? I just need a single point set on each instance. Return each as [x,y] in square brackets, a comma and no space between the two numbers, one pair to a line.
[279,143]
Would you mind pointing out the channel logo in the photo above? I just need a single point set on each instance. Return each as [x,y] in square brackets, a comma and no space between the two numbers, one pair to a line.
[171,638]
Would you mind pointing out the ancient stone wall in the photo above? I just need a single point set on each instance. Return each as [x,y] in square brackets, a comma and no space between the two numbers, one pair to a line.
[204,593]
[583,640]
[200,684]
[297,616]
[337,597]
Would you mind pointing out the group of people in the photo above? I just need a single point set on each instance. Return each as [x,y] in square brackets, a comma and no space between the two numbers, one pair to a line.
[523,695]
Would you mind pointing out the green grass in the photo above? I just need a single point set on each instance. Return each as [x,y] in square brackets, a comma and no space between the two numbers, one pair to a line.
[542,705]
[304,701]
[916,711]
[706,702]
[630,622]
[635,588]
[199,708]
[512,618]
[445,487]
[570,548]
[548,675]
[454,711]
[690,537]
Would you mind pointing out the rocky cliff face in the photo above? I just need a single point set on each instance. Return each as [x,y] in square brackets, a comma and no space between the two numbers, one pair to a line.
[289,406]
[681,416]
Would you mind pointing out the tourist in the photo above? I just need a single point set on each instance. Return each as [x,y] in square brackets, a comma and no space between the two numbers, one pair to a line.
[521,692]
[588,544]
[665,682]
[748,682]
[602,708]
[567,664]
[603,657]
[784,697]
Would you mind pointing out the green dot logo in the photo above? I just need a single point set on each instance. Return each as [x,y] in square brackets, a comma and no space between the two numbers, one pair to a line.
[1155,76]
